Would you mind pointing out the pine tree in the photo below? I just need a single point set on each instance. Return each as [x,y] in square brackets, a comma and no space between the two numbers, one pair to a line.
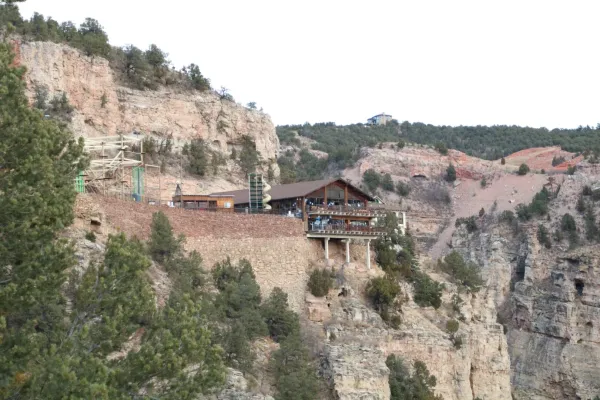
[387,183]
[163,245]
[38,164]
[451,173]
[49,350]
[295,377]
[281,321]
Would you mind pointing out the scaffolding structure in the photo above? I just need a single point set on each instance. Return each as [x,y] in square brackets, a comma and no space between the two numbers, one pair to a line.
[117,168]
[255,187]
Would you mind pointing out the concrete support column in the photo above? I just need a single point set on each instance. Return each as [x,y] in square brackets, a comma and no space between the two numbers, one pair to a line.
[368,253]
[326,240]
[347,251]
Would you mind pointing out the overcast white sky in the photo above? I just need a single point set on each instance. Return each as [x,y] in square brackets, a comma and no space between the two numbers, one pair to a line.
[457,62]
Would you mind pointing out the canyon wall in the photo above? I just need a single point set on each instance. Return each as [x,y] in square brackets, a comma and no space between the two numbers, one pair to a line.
[167,111]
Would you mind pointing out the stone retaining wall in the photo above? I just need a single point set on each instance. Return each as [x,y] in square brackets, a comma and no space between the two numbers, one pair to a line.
[276,246]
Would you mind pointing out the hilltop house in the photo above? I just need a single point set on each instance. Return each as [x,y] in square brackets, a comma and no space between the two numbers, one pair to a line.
[380,119]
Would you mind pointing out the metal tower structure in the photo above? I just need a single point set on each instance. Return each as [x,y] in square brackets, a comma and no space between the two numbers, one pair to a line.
[255,187]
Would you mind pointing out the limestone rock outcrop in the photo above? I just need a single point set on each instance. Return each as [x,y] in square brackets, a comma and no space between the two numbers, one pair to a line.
[547,299]
[359,343]
[236,388]
[184,115]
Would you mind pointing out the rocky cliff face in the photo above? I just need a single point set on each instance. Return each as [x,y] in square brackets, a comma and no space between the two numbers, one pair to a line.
[184,115]
[358,342]
[548,301]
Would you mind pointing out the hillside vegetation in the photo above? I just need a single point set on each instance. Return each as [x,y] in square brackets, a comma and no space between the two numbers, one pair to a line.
[98,331]
[140,69]
[343,143]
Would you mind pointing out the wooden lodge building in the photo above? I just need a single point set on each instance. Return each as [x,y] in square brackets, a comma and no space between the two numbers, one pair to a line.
[209,202]
[330,209]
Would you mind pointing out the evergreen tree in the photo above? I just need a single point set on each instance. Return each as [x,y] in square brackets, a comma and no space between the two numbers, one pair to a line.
[281,321]
[198,159]
[372,179]
[580,205]
[163,245]
[523,169]
[195,77]
[249,157]
[387,183]
[403,386]
[295,377]
[94,40]
[49,350]
[38,164]
[451,173]
[156,57]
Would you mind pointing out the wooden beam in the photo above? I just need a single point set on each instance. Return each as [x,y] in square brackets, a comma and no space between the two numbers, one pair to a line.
[346,195]
[325,196]
[304,216]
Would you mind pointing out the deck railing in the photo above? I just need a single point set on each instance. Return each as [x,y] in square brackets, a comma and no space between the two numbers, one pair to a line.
[339,209]
[344,229]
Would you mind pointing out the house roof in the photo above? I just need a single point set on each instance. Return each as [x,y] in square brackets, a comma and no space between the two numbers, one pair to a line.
[291,190]
[380,115]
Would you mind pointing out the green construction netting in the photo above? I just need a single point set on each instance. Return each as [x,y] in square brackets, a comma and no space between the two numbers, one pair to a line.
[138,183]
[79,183]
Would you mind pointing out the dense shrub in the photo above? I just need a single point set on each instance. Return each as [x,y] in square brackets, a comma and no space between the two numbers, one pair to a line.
[249,156]
[197,157]
[457,341]
[91,236]
[592,232]
[343,143]
[441,148]
[387,183]
[502,161]
[402,188]
[295,372]
[308,167]
[195,78]
[406,386]
[163,245]
[372,180]
[580,205]
[586,191]
[470,223]
[427,292]
[567,223]
[523,169]
[451,173]
[382,292]
[543,236]
[571,169]
[239,296]
[319,282]
[507,216]
[537,207]
[556,160]
[524,212]
[463,273]
[452,326]
[281,321]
